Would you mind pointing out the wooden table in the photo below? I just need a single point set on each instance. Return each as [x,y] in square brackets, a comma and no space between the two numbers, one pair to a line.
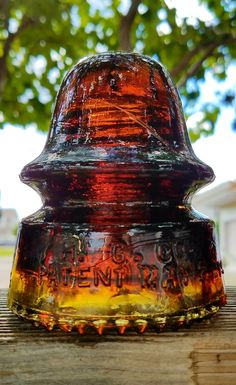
[205,354]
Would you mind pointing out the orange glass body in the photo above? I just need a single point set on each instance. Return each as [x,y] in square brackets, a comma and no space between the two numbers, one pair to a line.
[116,242]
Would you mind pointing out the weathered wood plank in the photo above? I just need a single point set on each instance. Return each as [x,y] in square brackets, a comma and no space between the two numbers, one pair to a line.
[205,354]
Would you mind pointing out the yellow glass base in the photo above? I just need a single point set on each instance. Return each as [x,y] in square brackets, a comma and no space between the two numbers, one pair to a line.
[139,322]
[106,281]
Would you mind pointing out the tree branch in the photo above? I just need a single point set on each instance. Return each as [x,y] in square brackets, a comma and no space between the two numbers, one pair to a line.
[184,62]
[126,25]
[5,12]
[207,51]
[11,36]
[6,48]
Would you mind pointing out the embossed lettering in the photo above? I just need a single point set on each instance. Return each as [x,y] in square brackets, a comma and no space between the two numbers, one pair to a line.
[150,264]
[119,271]
[82,278]
[148,276]
[105,278]
[164,252]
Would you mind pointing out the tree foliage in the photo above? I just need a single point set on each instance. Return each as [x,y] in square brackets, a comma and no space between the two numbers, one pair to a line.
[41,40]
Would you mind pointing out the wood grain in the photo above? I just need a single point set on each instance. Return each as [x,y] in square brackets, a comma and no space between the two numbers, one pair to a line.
[205,354]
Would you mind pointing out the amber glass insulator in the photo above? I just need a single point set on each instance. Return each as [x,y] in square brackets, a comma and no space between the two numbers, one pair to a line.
[116,242]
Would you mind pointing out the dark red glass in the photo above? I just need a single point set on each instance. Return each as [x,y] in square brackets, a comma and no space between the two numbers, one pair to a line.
[116,242]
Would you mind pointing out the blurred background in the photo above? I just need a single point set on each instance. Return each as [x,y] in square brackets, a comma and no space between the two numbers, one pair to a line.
[41,40]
